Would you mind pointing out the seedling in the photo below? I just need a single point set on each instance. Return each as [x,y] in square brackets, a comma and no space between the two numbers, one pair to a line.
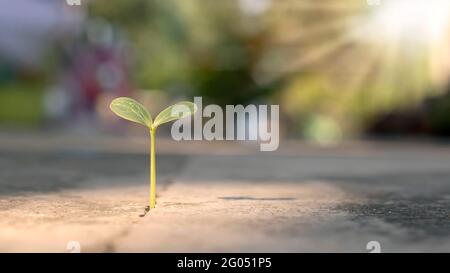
[132,110]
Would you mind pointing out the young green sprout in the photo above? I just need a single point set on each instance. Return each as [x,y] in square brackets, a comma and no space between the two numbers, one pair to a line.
[132,110]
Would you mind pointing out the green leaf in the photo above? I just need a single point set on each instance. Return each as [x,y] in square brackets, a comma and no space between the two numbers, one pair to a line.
[132,110]
[177,111]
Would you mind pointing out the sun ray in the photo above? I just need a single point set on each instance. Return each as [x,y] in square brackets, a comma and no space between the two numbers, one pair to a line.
[393,49]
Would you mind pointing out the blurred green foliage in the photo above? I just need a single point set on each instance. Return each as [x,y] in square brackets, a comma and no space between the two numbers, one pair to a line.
[21,104]
[327,63]
[190,47]
[439,115]
[303,55]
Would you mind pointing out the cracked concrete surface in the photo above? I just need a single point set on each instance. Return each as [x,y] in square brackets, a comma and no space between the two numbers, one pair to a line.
[222,196]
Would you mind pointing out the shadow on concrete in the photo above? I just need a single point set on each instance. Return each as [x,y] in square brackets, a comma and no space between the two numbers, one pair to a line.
[257,198]
[30,173]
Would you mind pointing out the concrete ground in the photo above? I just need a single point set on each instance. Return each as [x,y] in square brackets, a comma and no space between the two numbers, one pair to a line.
[225,197]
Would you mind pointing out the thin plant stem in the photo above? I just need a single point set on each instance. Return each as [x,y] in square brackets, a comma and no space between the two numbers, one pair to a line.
[152,169]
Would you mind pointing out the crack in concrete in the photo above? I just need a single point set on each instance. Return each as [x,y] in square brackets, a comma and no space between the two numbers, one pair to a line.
[110,245]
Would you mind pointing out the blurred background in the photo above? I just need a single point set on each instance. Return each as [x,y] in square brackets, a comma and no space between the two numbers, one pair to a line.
[338,69]
[363,88]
